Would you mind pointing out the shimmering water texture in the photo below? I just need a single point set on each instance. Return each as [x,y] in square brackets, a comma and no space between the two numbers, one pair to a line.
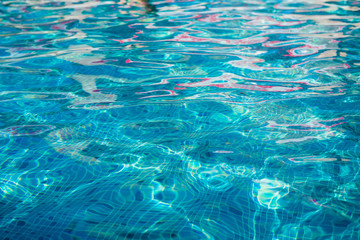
[179,119]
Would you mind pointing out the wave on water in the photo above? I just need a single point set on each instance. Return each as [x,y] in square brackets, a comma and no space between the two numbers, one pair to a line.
[179,119]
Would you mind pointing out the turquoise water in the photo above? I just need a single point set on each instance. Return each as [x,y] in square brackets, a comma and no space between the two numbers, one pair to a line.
[192,119]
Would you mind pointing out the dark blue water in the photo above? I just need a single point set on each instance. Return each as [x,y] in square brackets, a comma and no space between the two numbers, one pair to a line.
[192,119]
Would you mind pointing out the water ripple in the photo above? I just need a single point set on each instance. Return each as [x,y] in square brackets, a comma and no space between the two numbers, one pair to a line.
[172,119]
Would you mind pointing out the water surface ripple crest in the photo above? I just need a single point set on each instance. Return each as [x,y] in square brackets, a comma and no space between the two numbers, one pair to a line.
[179,119]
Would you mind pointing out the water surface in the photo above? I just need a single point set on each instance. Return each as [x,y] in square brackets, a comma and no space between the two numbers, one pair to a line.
[192,119]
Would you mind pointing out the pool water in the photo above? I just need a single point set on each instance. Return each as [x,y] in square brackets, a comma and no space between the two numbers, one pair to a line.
[179,119]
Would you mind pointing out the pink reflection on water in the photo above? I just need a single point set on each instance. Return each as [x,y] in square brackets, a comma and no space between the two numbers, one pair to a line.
[341,66]
[154,26]
[170,93]
[265,20]
[185,37]
[62,25]
[145,64]
[260,88]
[305,50]
[283,43]
[166,80]
[227,81]
[216,18]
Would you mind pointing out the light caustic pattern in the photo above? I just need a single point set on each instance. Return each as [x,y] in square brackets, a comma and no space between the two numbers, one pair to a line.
[232,119]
